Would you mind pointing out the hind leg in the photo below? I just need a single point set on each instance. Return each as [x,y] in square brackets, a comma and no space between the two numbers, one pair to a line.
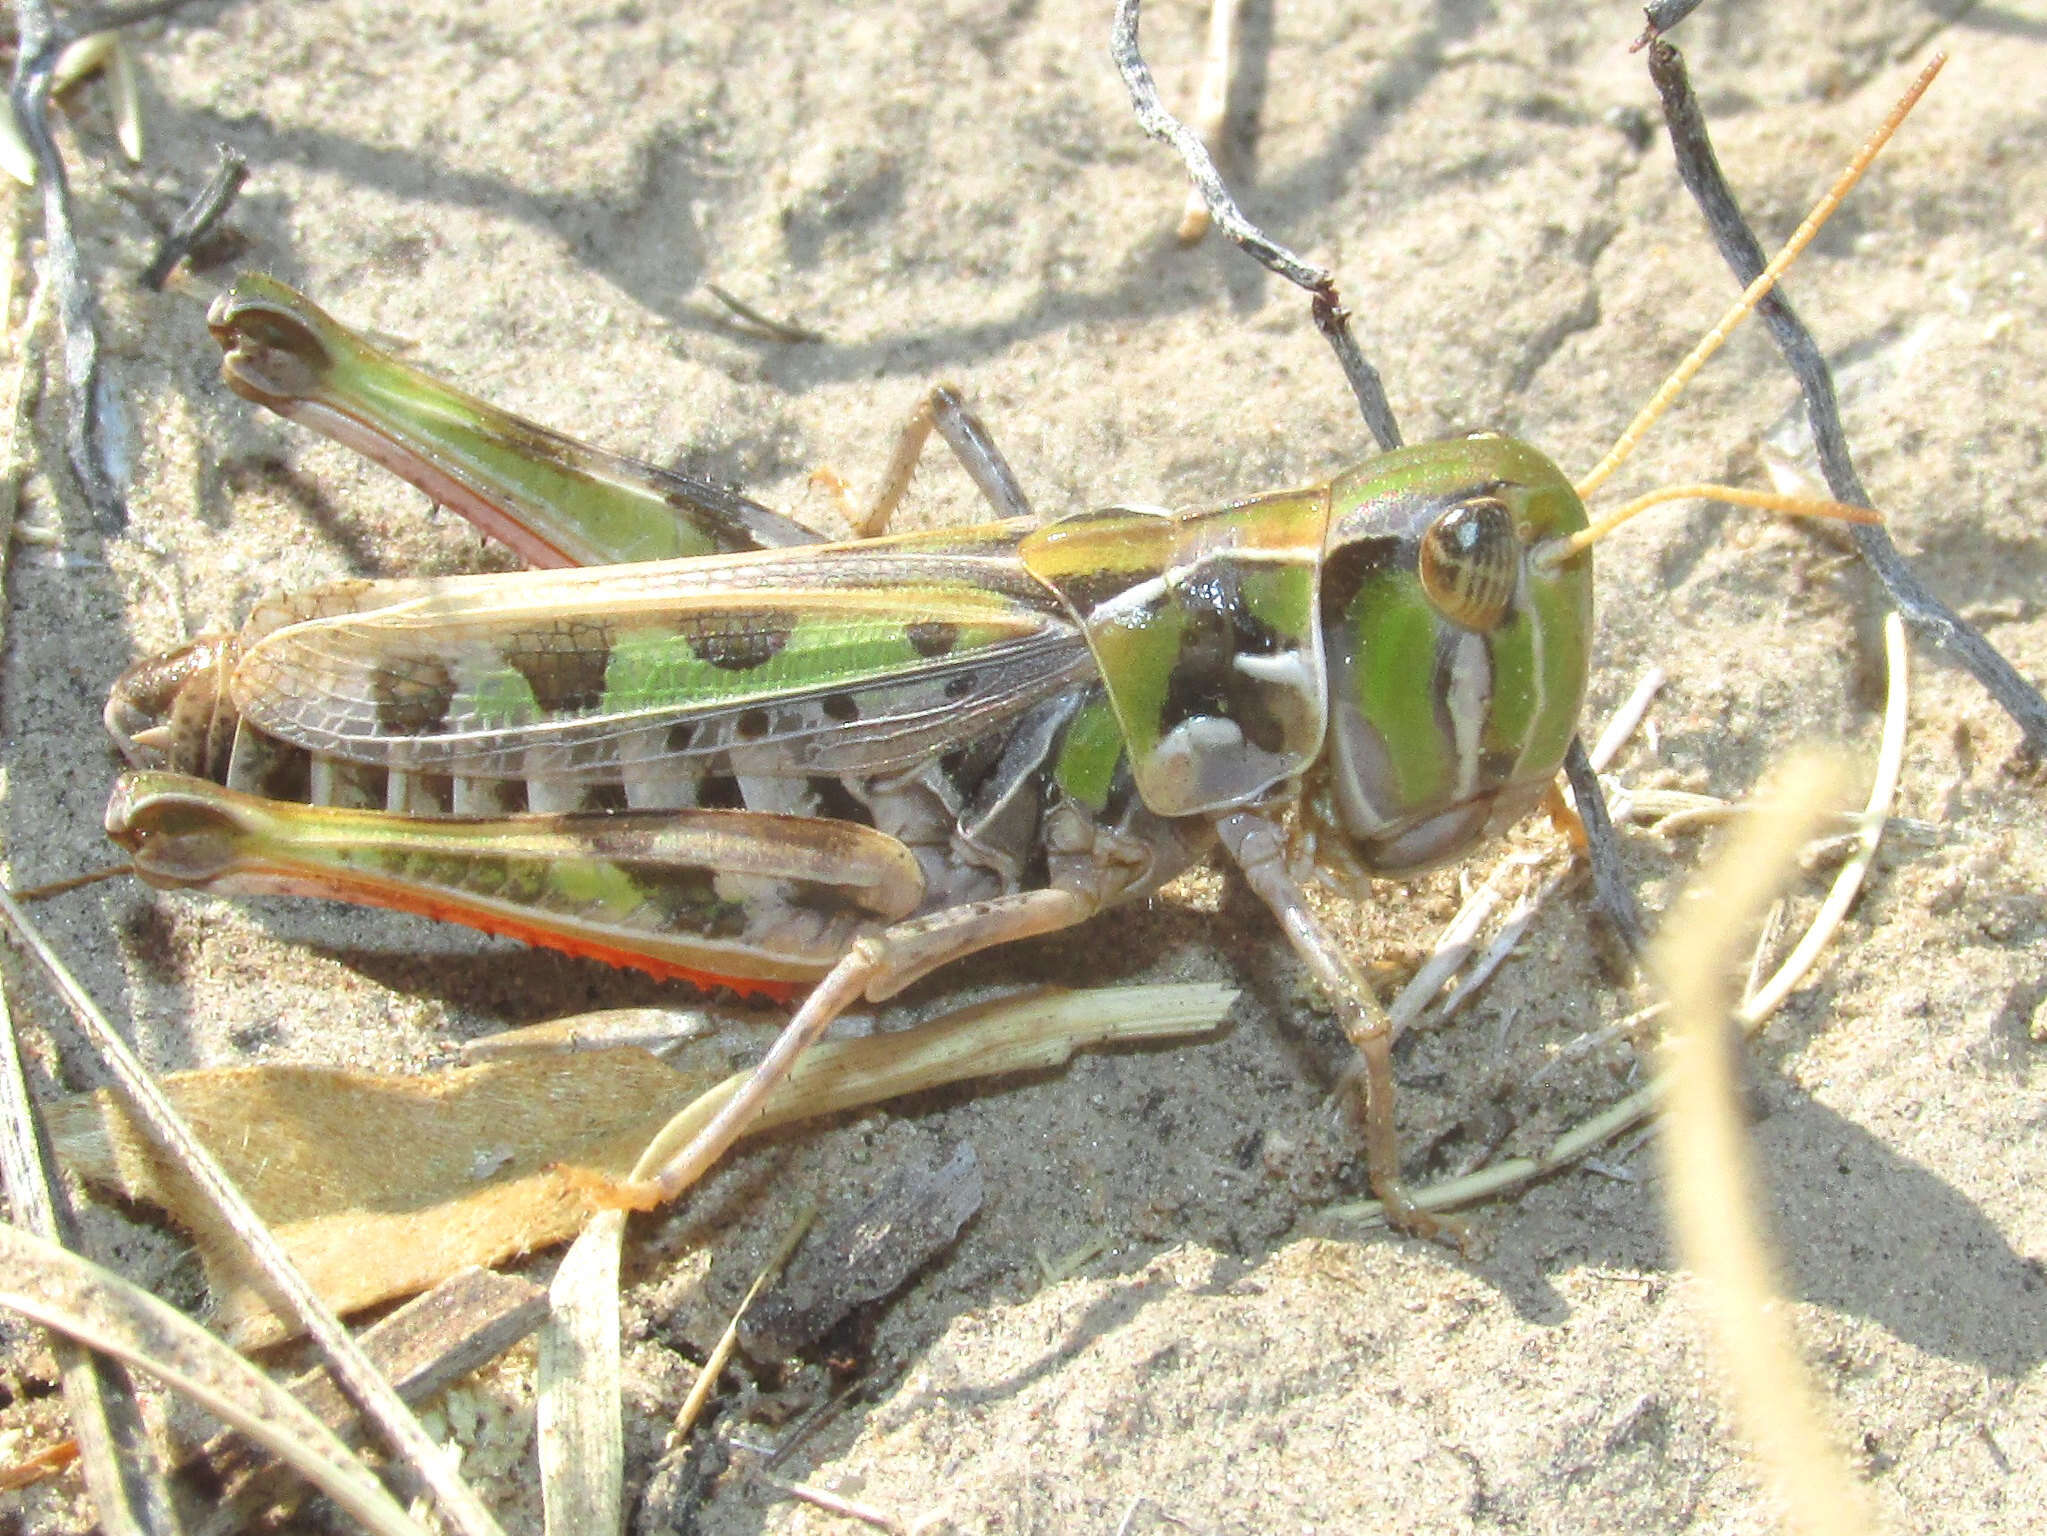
[942,410]
[874,969]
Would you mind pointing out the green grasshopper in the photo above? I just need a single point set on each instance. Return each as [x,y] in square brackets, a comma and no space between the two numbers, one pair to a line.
[714,746]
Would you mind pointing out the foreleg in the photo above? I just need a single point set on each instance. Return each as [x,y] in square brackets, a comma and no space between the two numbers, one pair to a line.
[1258,845]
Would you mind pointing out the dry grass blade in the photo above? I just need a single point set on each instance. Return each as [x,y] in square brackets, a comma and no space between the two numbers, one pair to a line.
[1453,947]
[1712,1184]
[1211,114]
[652,1029]
[1627,719]
[100,1309]
[141,1096]
[580,1428]
[112,1444]
[1027,1034]
[836,1503]
[16,158]
[775,330]
[1869,831]
[1495,955]
[126,86]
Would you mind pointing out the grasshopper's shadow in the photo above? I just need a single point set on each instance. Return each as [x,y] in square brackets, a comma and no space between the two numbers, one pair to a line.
[645,239]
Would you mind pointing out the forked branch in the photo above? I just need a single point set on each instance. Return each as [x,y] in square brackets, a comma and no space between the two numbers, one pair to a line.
[1931,618]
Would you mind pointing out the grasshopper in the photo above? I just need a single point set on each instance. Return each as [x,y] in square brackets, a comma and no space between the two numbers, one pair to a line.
[706,742]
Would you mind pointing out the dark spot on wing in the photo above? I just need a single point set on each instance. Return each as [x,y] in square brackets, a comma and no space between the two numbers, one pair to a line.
[412,696]
[842,707]
[933,637]
[741,650]
[752,724]
[564,665]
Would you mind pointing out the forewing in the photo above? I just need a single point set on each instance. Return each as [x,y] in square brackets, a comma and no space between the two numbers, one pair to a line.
[861,658]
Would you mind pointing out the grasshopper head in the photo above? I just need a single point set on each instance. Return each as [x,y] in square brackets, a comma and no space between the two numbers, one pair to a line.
[1456,660]
[1406,643]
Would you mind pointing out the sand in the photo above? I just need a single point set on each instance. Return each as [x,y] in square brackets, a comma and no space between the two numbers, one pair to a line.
[534,200]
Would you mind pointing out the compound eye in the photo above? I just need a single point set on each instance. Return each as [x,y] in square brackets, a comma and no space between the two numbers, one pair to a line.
[1470,559]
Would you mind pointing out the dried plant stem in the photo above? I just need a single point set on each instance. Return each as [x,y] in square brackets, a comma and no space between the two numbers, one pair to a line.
[1699,168]
[97,422]
[721,1353]
[192,225]
[1332,319]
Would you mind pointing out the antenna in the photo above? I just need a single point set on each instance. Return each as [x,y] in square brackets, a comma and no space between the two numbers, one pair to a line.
[1765,281]
[1555,552]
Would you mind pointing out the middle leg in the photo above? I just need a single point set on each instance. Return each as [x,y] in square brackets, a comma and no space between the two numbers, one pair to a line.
[1258,845]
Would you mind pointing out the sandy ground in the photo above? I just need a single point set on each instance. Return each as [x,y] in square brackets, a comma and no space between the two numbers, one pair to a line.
[534,199]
